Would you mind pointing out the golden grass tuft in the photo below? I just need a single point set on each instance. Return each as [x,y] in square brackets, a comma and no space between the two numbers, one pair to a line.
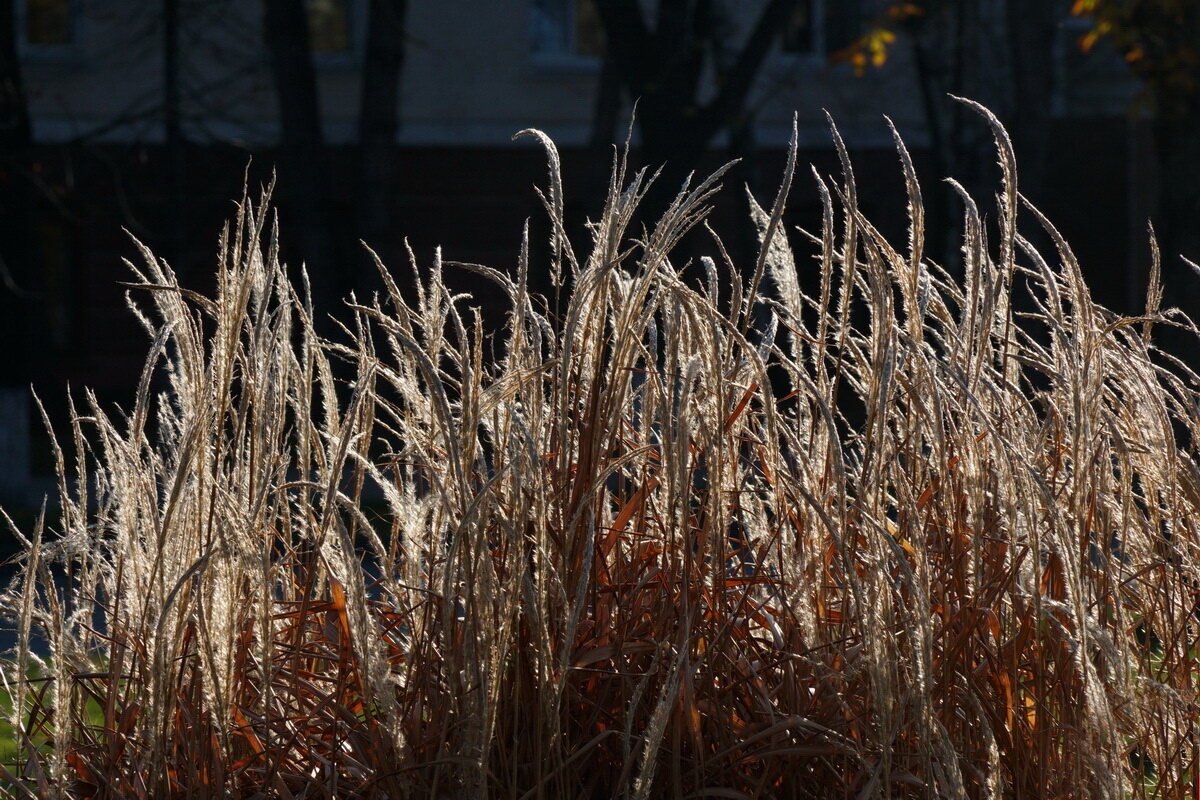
[643,552]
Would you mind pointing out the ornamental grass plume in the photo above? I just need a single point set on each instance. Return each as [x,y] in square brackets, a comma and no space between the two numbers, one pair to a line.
[637,549]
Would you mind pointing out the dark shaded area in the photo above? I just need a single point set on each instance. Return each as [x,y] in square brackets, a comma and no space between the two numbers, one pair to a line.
[471,202]
[65,209]
[302,159]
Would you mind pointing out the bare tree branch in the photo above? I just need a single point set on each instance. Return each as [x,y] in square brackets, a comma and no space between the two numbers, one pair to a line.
[632,50]
[731,95]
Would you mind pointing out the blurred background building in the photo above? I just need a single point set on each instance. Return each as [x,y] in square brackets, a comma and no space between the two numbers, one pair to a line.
[392,121]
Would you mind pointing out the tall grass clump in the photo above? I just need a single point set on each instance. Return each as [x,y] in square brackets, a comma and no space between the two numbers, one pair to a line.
[700,532]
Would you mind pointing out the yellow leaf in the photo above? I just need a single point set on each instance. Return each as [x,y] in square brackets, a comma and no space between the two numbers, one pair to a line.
[859,60]
[903,11]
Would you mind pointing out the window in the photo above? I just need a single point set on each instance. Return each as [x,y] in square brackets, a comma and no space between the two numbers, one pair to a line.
[568,28]
[329,26]
[48,23]
[822,27]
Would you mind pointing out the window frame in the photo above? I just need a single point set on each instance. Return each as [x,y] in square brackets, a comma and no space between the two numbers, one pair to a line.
[356,36]
[565,59]
[1070,29]
[69,53]
[816,55]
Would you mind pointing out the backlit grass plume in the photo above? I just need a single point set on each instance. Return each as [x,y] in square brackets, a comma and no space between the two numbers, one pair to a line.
[700,534]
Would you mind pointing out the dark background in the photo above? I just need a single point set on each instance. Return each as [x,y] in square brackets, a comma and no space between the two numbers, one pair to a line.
[1103,127]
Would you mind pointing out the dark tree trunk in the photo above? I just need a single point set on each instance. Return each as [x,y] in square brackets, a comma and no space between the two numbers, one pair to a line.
[378,124]
[662,69]
[23,317]
[1177,139]
[14,112]
[1177,221]
[671,148]
[937,203]
[1032,25]
[746,174]
[173,130]
[303,171]
[606,111]
[674,129]
[17,274]
[606,114]
[949,44]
